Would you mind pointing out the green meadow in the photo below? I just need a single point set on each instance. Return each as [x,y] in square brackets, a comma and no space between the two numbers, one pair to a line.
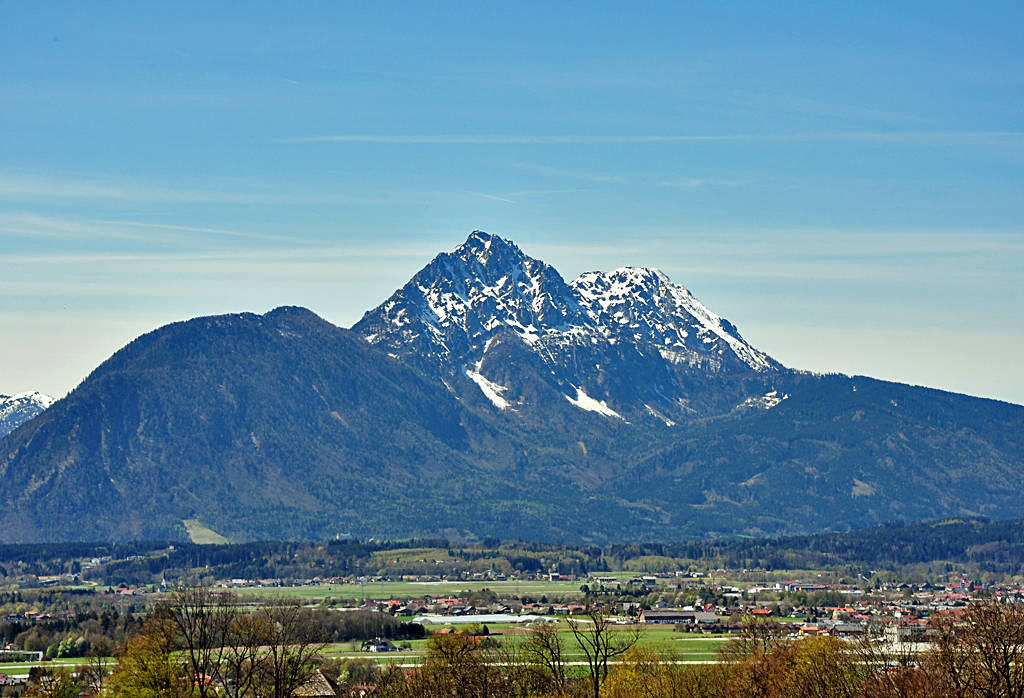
[411,589]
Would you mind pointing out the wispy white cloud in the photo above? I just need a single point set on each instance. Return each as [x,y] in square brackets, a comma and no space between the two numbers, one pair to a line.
[522,193]
[28,188]
[487,196]
[588,175]
[697,183]
[548,191]
[882,257]
[924,137]
[32,225]
[213,231]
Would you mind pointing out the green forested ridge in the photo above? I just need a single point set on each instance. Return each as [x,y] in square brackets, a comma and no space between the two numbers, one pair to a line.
[843,452]
[283,426]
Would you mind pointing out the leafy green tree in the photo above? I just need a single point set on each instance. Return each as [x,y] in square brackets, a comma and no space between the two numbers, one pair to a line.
[67,648]
[146,667]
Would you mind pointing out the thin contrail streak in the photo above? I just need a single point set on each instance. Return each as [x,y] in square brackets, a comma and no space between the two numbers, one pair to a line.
[487,196]
[1001,136]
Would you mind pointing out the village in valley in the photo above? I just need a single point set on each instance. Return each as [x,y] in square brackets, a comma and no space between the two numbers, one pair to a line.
[68,619]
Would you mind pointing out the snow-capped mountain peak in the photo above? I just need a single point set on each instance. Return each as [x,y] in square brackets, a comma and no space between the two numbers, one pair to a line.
[644,303]
[595,337]
[463,297]
[17,409]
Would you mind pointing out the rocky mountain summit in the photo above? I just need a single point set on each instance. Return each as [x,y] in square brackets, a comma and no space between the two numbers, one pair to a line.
[629,342]
[15,410]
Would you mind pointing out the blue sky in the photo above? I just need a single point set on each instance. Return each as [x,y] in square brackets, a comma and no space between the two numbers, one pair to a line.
[845,184]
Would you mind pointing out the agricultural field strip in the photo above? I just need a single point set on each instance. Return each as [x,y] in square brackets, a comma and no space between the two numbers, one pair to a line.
[705,651]
[384,590]
[705,654]
[662,639]
[21,669]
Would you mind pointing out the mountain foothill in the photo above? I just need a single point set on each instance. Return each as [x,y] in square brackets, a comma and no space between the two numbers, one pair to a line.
[490,397]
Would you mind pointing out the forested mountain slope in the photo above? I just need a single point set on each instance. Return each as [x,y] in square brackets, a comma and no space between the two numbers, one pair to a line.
[614,408]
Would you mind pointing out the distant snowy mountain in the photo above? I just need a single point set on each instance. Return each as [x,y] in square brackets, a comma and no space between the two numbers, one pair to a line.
[18,409]
[625,341]
[615,408]
[643,305]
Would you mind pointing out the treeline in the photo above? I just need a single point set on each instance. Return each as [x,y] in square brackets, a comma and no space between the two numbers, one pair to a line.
[71,623]
[988,546]
[214,644]
[992,546]
[147,561]
[88,633]
[151,562]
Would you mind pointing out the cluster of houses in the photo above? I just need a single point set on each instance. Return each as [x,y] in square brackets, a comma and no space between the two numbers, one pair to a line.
[320,686]
[38,617]
[6,680]
[902,609]
[488,575]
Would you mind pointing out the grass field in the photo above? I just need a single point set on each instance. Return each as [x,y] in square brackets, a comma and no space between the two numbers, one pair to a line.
[20,669]
[663,640]
[399,590]
[203,535]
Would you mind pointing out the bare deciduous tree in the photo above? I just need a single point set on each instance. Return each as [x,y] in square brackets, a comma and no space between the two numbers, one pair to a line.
[202,619]
[292,645]
[757,639]
[543,650]
[94,674]
[222,649]
[601,641]
[981,652]
[245,636]
[894,669]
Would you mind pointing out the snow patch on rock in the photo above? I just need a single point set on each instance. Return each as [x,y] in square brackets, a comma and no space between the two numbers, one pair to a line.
[644,303]
[493,391]
[765,402]
[585,402]
[654,413]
